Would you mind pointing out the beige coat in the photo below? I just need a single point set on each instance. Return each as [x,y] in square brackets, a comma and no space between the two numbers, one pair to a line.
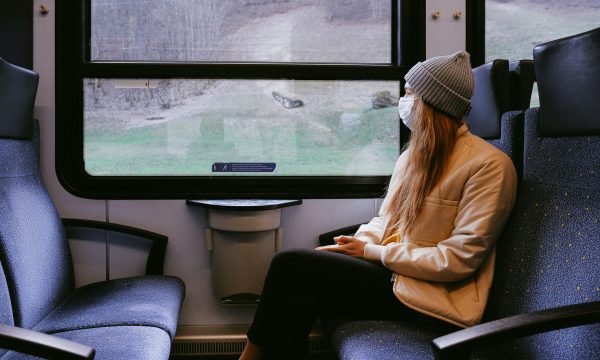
[445,265]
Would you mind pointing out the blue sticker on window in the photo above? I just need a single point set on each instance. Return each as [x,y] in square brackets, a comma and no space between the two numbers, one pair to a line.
[243,167]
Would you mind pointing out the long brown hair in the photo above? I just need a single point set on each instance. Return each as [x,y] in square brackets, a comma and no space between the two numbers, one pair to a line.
[430,146]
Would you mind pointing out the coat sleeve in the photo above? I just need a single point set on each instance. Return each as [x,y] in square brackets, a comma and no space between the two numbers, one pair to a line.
[372,232]
[487,200]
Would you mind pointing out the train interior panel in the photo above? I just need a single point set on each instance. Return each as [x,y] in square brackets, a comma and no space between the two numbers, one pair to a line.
[300,179]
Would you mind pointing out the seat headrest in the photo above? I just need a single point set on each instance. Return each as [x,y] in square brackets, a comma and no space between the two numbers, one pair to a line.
[521,80]
[18,87]
[490,99]
[568,77]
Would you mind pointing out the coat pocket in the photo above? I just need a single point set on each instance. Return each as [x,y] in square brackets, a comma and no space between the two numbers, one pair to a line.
[436,221]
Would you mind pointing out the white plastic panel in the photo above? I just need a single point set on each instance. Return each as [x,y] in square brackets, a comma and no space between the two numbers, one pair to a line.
[445,35]
[240,261]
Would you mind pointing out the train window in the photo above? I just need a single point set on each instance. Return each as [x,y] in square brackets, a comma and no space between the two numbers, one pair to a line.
[514,27]
[240,127]
[234,30]
[231,98]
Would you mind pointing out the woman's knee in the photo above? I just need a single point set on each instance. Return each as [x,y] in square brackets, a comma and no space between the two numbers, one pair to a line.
[292,259]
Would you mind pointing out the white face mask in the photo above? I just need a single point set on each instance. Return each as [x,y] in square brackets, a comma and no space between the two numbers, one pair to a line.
[405,107]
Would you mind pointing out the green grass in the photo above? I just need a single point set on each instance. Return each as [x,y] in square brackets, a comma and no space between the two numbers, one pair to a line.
[514,28]
[191,144]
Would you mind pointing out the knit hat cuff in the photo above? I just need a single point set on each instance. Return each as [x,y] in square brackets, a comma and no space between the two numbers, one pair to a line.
[437,94]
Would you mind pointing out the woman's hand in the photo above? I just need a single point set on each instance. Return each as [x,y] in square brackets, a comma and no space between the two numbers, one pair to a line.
[348,245]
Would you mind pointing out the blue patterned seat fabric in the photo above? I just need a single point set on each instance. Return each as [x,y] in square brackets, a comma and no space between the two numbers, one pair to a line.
[117,342]
[132,318]
[383,340]
[129,301]
[549,253]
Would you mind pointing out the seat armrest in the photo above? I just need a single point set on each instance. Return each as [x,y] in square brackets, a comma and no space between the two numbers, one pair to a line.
[156,257]
[327,238]
[39,344]
[459,344]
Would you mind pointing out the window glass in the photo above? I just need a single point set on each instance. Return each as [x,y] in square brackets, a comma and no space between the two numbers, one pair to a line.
[240,127]
[515,27]
[340,31]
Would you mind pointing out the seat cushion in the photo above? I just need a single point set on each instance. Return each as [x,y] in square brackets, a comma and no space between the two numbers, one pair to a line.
[118,342]
[123,342]
[145,300]
[383,340]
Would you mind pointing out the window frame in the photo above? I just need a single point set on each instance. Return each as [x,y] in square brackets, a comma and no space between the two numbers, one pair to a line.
[475,26]
[73,29]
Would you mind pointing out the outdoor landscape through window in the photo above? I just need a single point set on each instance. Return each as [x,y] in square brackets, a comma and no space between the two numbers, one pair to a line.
[184,127]
[515,27]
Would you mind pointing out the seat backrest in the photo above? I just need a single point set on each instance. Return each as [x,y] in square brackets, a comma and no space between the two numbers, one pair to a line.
[34,253]
[521,80]
[490,99]
[18,86]
[491,117]
[549,253]
[6,316]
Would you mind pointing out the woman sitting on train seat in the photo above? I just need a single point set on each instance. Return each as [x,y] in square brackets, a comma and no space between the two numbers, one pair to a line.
[430,253]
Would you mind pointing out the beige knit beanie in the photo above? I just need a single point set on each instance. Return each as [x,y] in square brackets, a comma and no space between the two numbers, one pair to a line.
[444,82]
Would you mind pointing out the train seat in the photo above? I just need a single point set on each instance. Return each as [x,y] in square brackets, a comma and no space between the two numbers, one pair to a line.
[490,99]
[41,311]
[521,80]
[495,116]
[545,301]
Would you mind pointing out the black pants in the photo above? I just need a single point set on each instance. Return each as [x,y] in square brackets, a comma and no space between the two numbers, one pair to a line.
[304,285]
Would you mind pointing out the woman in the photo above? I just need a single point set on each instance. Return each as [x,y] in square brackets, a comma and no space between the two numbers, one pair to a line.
[447,202]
